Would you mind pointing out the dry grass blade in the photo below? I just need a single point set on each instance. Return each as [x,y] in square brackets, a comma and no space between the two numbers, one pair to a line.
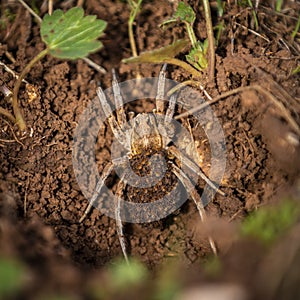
[31,11]
[95,66]
[285,113]
[9,70]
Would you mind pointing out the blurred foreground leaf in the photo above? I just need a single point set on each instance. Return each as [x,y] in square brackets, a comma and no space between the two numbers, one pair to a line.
[125,276]
[296,70]
[268,223]
[12,274]
[168,283]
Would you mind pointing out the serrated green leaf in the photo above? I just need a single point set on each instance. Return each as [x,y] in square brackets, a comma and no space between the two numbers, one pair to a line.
[74,12]
[70,18]
[54,18]
[48,25]
[87,32]
[197,59]
[72,35]
[79,51]
[159,55]
[185,13]
[197,56]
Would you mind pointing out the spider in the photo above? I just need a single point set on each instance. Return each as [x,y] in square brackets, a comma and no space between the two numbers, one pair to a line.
[146,134]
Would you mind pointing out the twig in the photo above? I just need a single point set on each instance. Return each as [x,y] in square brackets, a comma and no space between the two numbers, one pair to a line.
[9,70]
[257,88]
[6,141]
[253,32]
[274,12]
[50,7]
[234,215]
[10,57]
[211,40]
[205,92]
[80,3]
[14,135]
[7,114]
[94,65]
[5,91]
[31,11]
[284,42]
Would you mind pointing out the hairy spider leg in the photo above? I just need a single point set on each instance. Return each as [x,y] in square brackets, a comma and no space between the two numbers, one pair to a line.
[196,198]
[106,172]
[114,125]
[121,116]
[170,110]
[120,188]
[194,167]
[161,90]
[120,132]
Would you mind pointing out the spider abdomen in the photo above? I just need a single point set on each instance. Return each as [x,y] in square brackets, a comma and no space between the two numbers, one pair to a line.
[155,165]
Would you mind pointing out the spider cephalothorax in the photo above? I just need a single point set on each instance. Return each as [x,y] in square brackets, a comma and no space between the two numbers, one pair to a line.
[145,135]
[147,142]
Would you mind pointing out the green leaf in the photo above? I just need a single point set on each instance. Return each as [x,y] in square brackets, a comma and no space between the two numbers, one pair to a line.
[12,274]
[79,51]
[72,35]
[296,70]
[185,13]
[135,6]
[125,276]
[268,223]
[160,55]
[197,56]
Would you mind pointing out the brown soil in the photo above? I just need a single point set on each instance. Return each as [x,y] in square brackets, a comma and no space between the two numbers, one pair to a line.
[40,200]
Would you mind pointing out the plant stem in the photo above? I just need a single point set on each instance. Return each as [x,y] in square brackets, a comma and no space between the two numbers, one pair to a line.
[278,5]
[184,65]
[131,38]
[39,20]
[191,34]
[296,29]
[211,40]
[181,85]
[285,113]
[7,114]
[17,112]
[254,14]
[135,6]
